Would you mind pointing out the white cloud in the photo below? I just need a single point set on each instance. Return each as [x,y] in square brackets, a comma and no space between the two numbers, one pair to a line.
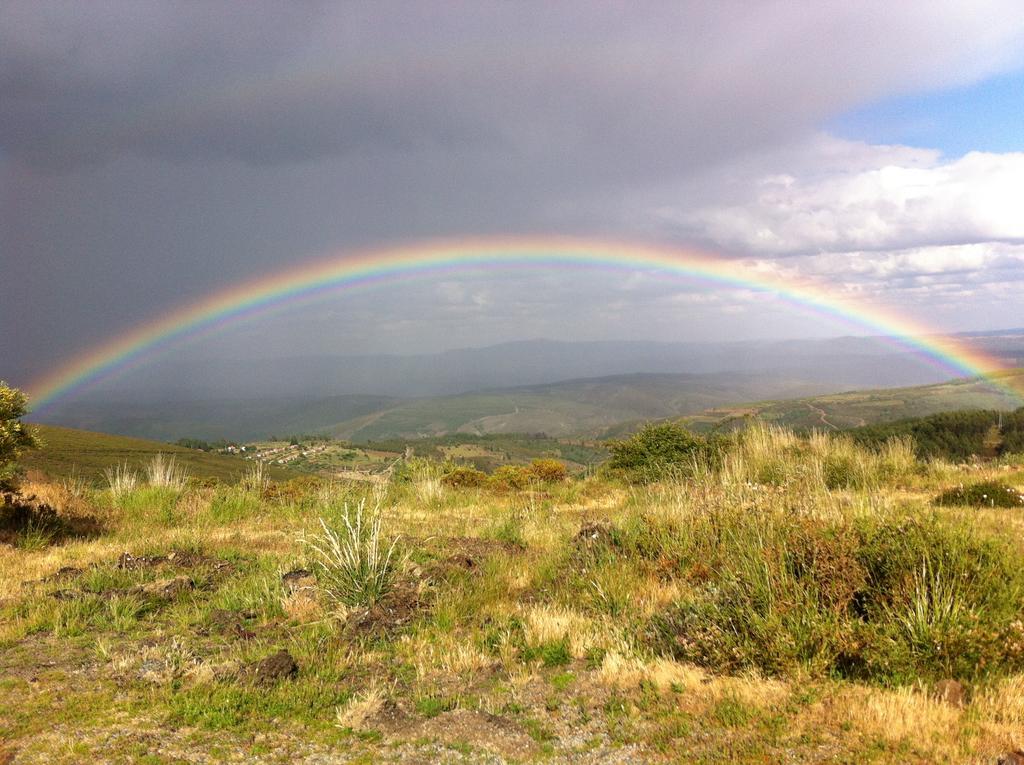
[896,226]
[840,198]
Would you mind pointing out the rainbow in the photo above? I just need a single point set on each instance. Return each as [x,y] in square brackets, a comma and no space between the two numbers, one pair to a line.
[351,270]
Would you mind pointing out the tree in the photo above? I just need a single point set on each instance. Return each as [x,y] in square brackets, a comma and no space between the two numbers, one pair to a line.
[15,436]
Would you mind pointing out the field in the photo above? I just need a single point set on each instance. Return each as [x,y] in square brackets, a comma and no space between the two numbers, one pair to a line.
[69,453]
[798,600]
[849,410]
[341,459]
[570,408]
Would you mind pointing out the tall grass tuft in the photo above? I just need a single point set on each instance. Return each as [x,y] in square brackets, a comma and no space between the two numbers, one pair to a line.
[256,478]
[936,608]
[769,455]
[165,473]
[121,480]
[74,484]
[427,482]
[354,566]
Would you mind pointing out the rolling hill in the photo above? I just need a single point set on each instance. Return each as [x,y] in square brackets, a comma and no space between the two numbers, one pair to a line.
[560,388]
[67,452]
[857,408]
[571,408]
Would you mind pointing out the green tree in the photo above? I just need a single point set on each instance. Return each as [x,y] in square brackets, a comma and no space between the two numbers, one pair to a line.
[15,436]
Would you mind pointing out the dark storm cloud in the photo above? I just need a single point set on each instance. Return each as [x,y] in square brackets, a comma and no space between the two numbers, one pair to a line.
[621,87]
[153,152]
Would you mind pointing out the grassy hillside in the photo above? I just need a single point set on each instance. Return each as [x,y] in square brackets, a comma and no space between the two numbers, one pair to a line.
[240,419]
[570,408]
[488,452]
[800,601]
[858,408]
[67,452]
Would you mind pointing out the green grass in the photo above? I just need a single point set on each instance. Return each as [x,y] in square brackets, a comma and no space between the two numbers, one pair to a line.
[800,593]
[858,408]
[68,453]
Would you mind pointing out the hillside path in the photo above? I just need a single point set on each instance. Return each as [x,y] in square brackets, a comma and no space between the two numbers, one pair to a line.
[822,417]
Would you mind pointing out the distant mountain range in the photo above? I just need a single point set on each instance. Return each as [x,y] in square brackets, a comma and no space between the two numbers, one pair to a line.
[560,388]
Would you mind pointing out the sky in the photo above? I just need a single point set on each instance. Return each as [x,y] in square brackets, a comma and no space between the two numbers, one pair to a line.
[155,152]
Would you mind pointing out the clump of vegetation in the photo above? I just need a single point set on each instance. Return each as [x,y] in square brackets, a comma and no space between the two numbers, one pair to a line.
[663,450]
[426,477]
[958,436]
[773,456]
[256,478]
[164,472]
[354,564]
[462,477]
[121,480]
[511,478]
[15,436]
[981,494]
[881,597]
[519,477]
[548,470]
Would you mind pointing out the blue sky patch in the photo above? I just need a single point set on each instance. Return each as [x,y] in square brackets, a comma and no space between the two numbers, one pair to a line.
[986,116]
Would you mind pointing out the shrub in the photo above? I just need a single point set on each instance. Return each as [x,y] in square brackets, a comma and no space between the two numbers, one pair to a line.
[658,451]
[15,436]
[513,477]
[464,478]
[548,470]
[294,490]
[982,494]
[883,598]
[354,566]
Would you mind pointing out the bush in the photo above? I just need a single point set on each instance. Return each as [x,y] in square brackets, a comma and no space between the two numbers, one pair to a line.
[983,494]
[660,451]
[464,478]
[512,477]
[881,598]
[15,436]
[548,470]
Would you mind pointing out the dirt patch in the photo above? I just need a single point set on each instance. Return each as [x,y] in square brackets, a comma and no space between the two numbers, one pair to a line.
[64,572]
[231,624]
[160,589]
[298,579]
[165,588]
[459,554]
[493,733]
[274,668]
[387,617]
[178,558]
